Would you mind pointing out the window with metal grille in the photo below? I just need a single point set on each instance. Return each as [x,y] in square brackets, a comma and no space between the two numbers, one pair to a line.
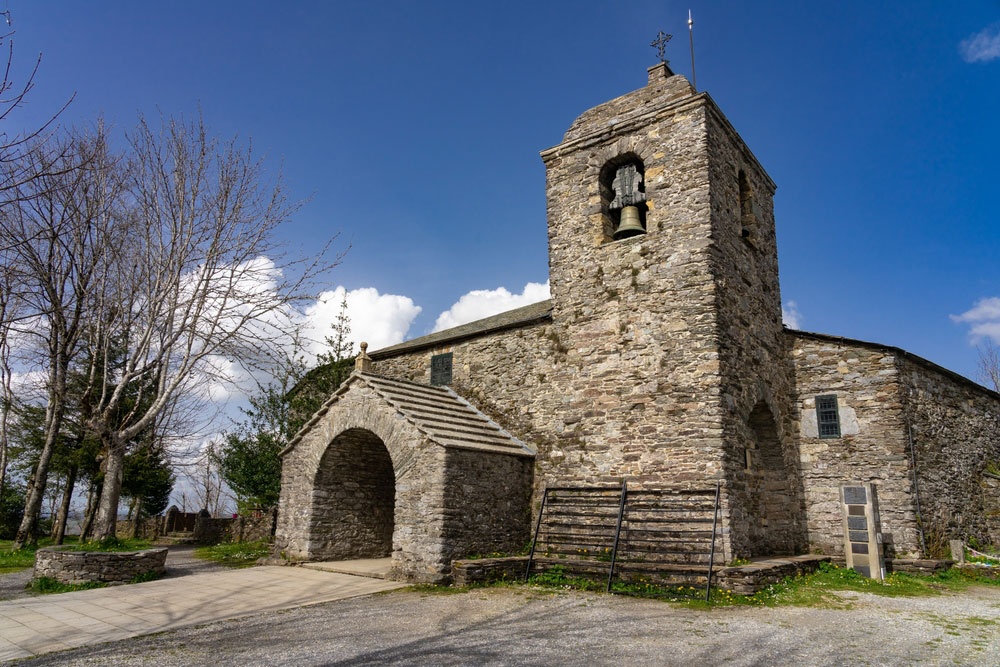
[441,369]
[827,416]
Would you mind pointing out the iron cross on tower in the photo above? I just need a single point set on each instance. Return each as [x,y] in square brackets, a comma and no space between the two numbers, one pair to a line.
[660,44]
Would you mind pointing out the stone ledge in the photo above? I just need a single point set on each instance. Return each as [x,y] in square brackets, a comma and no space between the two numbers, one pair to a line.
[488,570]
[76,567]
[748,579]
[917,565]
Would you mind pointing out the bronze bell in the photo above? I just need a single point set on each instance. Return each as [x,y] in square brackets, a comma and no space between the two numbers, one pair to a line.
[630,224]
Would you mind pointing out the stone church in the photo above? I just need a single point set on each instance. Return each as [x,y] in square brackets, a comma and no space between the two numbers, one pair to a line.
[660,359]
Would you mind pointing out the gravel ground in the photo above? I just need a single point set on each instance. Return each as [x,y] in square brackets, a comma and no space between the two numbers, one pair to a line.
[180,562]
[534,627]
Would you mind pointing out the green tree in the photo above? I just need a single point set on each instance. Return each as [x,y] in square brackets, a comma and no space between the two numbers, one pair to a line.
[147,482]
[249,459]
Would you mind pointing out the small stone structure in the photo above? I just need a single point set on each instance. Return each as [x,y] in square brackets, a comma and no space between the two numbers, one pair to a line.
[393,468]
[77,567]
[661,358]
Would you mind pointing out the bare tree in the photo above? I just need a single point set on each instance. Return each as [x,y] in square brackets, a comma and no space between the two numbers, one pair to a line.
[9,307]
[198,282]
[49,238]
[989,364]
[15,170]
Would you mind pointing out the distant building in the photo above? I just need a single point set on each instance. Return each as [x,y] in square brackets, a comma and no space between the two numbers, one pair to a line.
[661,358]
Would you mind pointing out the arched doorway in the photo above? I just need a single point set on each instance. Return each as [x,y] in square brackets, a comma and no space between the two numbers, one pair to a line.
[353,499]
[771,492]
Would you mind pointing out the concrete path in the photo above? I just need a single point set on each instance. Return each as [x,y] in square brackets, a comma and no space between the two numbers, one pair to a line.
[33,626]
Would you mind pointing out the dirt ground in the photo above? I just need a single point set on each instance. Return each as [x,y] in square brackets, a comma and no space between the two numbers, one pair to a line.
[527,626]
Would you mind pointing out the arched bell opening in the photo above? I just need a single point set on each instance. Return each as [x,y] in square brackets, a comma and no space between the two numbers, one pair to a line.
[770,491]
[623,197]
[353,499]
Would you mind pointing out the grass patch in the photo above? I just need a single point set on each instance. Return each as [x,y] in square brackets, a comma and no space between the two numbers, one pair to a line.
[111,544]
[813,590]
[14,561]
[150,575]
[234,554]
[47,585]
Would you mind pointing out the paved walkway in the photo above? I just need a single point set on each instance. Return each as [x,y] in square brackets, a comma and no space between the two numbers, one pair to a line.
[33,626]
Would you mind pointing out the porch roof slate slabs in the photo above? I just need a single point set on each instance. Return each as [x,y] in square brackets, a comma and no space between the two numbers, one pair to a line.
[439,413]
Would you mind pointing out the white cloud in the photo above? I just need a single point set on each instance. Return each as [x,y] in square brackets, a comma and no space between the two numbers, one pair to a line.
[478,304]
[983,47]
[378,319]
[790,315]
[983,319]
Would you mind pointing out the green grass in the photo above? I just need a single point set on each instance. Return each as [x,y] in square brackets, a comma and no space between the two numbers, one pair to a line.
[234,554]
[14,561]
[814,590]
[48,585]
[113,544]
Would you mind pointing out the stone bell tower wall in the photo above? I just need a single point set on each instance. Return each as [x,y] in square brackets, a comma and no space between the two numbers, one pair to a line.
[637,316]
[757,378]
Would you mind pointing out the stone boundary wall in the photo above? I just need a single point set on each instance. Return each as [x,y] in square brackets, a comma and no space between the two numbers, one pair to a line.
[77,567]
[150,528]
[255,527]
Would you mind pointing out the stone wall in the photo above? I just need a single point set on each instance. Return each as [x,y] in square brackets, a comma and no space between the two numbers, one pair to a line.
[149,528]
[77,567]
[872,446]
[365,482]
[885,397]
[660,346]
[487,503]
[955,427]
[765,494]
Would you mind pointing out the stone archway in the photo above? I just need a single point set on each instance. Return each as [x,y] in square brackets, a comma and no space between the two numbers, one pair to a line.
[353,499]
[393,468]
[770,488]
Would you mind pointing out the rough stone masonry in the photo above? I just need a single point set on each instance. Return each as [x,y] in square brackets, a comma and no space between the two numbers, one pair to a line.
[660,358]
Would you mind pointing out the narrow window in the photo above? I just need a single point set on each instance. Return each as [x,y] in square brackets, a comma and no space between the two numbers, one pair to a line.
[748,209]
[441,369]
[827,416]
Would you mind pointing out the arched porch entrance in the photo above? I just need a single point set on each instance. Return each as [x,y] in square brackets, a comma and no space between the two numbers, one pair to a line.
[353,498]
[770,488]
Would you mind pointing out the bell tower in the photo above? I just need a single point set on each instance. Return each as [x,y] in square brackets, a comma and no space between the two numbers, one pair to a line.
[664,280]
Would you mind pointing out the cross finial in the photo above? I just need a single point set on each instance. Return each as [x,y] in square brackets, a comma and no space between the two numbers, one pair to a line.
[660,44]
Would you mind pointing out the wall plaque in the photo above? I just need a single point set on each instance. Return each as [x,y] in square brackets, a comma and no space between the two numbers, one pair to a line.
[862,531]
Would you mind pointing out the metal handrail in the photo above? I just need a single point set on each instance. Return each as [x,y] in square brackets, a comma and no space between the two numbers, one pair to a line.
[618,532]
[711,555]
[534,540]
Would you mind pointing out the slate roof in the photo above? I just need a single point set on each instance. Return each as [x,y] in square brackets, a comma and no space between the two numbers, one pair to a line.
[439,413]
[519,317]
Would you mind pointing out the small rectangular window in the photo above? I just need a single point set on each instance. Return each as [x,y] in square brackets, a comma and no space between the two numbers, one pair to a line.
[441,369]
[827,416]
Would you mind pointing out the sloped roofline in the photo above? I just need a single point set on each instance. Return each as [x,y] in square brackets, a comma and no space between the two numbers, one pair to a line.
[898,351]
[512,319]
[372,381]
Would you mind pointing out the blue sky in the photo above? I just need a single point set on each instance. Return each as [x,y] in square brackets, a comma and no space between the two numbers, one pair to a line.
[413,129]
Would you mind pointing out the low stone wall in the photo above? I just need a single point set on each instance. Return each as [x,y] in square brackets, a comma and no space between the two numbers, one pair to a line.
[748,579]
[488,570]
[77,567]
[150,528]
[917,565]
